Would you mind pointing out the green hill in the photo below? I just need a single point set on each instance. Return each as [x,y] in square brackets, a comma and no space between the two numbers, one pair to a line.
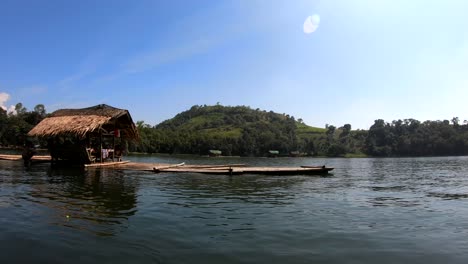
[237,130]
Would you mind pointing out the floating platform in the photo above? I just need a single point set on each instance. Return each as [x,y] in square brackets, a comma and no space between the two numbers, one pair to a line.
[225,169]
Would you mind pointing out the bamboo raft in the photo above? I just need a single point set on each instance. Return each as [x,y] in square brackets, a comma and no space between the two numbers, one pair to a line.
[224,169]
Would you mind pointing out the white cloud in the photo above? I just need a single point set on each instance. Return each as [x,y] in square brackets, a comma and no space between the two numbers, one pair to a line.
[11,110]
[153,59]
[4,97]
[311,23]
[69,81]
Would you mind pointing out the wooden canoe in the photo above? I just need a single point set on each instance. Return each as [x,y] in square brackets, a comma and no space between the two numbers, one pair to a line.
[250,170]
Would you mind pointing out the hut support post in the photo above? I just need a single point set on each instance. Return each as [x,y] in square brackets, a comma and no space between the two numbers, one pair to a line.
[100,143]
[113,145]
[113,142]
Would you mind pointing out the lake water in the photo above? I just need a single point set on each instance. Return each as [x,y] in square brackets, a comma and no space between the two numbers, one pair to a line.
[402,210]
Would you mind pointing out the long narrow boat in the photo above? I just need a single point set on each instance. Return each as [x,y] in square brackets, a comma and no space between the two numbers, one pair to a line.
[237,170]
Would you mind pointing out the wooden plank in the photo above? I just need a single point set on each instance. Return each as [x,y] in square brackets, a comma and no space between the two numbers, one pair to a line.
[214,166]
[44,158]
[10,157]
[105,164]
[206,171]
[19,157]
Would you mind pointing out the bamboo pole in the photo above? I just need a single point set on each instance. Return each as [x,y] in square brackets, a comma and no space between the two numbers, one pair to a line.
[158,169]
[100,143]
[113,144]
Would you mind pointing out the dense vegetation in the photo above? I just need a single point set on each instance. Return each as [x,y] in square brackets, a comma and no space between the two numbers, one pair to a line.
[236,130]
[410,137]
[244,131]
[14,127]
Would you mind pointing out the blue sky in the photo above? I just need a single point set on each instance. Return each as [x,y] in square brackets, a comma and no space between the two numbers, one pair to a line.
[327,62]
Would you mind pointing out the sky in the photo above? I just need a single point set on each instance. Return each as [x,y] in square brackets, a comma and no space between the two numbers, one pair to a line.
[327,62]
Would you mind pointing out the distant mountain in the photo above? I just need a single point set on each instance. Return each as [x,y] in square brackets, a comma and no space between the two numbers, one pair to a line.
[237,130]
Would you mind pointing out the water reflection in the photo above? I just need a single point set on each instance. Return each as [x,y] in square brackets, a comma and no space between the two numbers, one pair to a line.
[449,196]
[388,188]
[218,206]
[405,182]
[244,189]
[393,202]
[99,201]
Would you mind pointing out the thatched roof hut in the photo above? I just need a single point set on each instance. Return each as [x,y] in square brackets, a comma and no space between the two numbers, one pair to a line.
[82,122]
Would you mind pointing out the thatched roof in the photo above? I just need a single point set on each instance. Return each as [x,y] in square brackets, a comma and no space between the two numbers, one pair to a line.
[80,122]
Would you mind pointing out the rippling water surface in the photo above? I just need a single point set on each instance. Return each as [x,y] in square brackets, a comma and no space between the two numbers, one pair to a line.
[405,210]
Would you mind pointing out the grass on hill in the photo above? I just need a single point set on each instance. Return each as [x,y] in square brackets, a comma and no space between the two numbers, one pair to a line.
[305,129]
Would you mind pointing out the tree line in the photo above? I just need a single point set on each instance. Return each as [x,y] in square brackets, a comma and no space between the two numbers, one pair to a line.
[14,126]
[243,131]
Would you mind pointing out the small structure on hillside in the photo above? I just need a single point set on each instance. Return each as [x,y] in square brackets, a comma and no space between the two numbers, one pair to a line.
[215,153]
[273,153]
[86,135]
[297,153]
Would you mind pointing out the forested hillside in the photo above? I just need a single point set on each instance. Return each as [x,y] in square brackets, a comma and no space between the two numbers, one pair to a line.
[244,131]
[236,130]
